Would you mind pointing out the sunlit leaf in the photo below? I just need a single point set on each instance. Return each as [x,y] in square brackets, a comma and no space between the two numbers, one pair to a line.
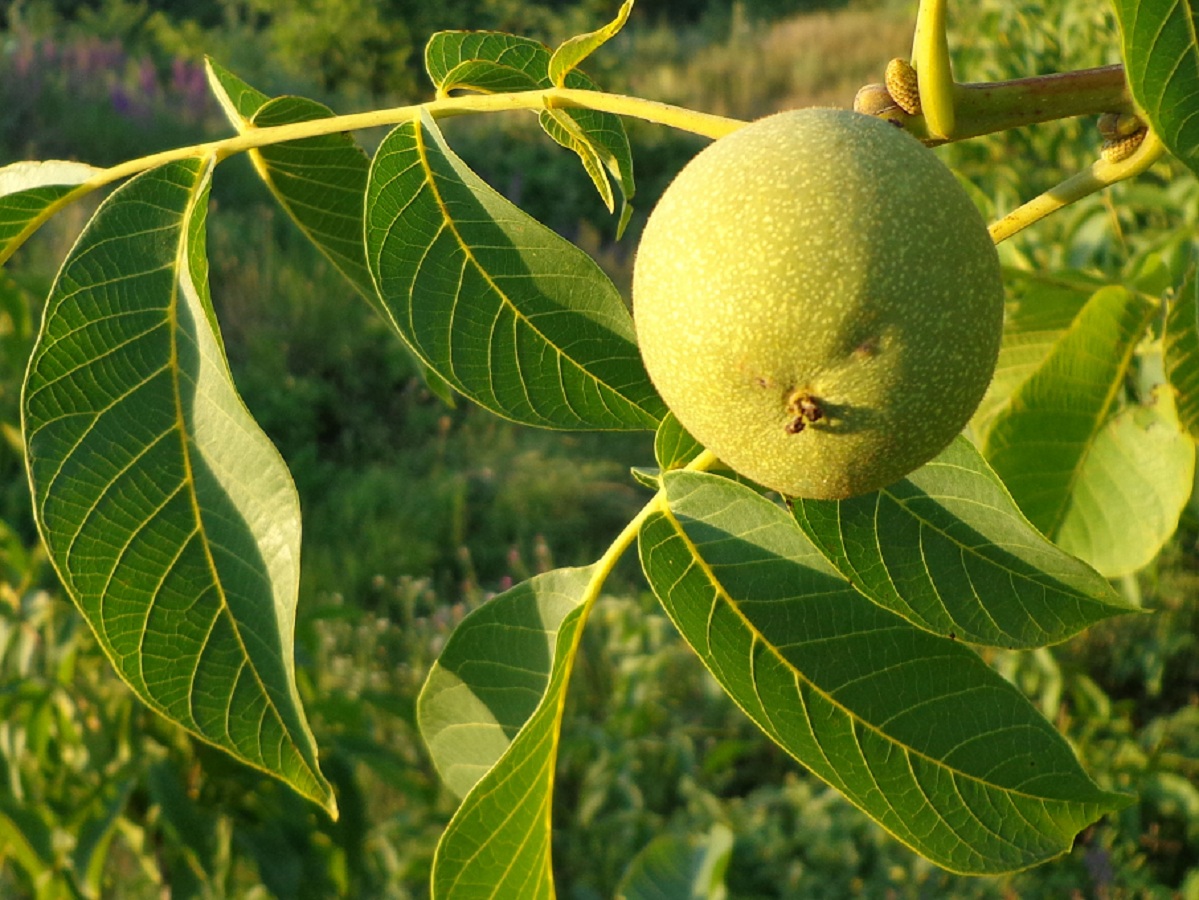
[1181,350]
[1131,489]
[1039,441]
[238,100]
[576,49]
[506,311]
[494,62]
[947,549]
[490,713]
[674,867]
[1161,59]
[172,521]
[32,192]
[913,728]
[1037,312]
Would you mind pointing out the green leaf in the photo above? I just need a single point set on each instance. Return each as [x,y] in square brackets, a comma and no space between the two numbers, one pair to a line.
[492,675]
[1132,487]
[490,62]
[32,192]
[947,549]
[573,51]
[1161,58]
[599,139]
[506,311]
[490,713]
[27,838]
[1181,351]
[560,126]
[96,831]
[193,827]
[493,62]
[238,100]
[321,183]
[171,519]
[674,446]
[1037,312]
[1040,439]
[673,867]
[914,729]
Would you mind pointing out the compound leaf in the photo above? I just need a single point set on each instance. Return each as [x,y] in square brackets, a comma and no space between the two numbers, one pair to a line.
[31,192]
[947,549]
[913,728]
[1161,58]
[490,712]
[507,312]
[172,521]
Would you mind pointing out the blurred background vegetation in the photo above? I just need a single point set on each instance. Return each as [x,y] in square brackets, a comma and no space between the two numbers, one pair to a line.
[414,513]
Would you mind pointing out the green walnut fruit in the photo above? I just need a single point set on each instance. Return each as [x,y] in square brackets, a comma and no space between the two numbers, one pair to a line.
[819,302]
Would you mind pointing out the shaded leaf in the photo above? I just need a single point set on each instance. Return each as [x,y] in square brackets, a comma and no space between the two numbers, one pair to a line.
[96,832]
[947,549]
[1131,489]
[1040,439]
[31,192]
[914,729]
[573,51]
[26,838]
[506,311]
[559,125]
[486,61]
[490,713]
[674,446]
[171,519]
[1181,351]
[674,867]
[1161,58]
[493,62]
[193,827]
[320,182]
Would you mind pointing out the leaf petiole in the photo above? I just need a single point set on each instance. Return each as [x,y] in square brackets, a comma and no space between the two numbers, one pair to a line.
[1102,173]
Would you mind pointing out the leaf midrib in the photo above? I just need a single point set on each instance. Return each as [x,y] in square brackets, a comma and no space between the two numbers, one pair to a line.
[757,635]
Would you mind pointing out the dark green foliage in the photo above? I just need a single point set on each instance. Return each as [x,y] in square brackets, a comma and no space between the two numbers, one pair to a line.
[415,514]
